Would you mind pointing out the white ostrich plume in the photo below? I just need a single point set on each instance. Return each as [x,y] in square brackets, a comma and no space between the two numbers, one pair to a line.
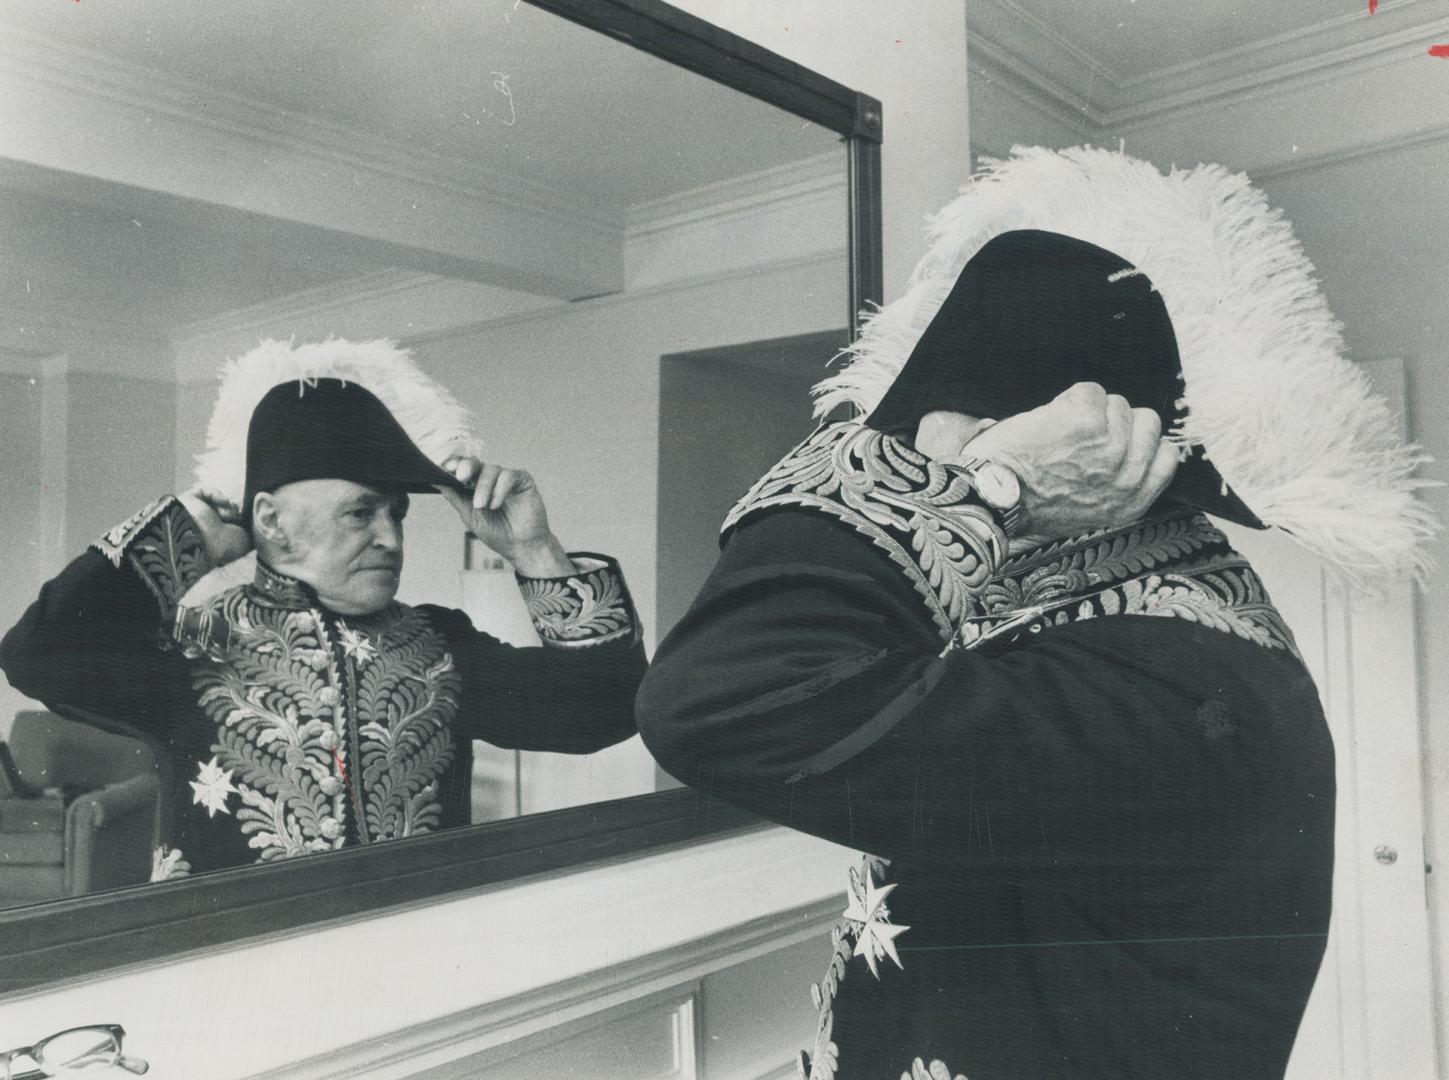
[1291,424]
[432,417]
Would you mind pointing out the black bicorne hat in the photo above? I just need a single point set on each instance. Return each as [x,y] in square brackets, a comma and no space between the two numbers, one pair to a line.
[320,429]
[1033,313]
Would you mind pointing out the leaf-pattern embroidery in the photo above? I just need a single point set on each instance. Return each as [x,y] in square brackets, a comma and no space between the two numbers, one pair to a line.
[165,548]
[582,610]
[951,550]
[1220,592]
[276,696]
[919,512]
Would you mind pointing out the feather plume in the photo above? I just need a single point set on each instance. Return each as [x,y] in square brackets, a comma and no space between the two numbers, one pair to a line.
[1291,424]
[432,417]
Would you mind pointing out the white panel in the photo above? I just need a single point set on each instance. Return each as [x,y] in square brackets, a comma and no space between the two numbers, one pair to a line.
[1370,1017]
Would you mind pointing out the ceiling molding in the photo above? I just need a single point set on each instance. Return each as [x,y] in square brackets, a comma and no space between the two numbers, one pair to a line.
[738,194]
[107,78]
[1047,72]
[1004,68]
[1008,22]
[1301,73]
[1267,54]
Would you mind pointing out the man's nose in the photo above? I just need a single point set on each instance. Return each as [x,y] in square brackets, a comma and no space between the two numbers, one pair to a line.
[387,533]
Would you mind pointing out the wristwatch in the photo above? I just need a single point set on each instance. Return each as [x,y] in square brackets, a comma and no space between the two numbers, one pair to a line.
[999,489]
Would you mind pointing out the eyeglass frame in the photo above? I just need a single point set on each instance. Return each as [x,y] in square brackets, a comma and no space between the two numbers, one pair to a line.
[35,1052]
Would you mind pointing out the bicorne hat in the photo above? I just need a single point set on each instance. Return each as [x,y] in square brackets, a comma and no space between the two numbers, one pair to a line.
[1183,292]
[337,409]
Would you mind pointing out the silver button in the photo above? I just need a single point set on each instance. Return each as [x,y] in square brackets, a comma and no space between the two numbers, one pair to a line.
[1386,855]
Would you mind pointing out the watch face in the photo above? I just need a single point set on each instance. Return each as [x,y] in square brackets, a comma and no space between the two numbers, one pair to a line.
[997,485]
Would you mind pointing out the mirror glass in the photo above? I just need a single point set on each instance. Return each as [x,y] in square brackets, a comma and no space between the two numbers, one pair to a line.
[597,252]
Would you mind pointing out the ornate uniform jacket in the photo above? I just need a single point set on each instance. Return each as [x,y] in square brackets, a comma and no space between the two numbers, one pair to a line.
[284,728]
[1094,778]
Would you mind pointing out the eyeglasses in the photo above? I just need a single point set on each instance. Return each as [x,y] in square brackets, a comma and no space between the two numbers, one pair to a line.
[97,1046]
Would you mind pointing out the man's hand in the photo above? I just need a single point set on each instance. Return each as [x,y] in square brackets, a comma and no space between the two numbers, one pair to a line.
[506,512]
[1086,460]
[219,520]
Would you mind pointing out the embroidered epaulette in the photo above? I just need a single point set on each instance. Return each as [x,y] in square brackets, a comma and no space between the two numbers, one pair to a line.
[951,548]
[584,609]
[921,513]
[165,548]
[1180,566]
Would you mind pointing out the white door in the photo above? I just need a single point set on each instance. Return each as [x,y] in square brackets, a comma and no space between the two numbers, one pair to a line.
[1371,1014]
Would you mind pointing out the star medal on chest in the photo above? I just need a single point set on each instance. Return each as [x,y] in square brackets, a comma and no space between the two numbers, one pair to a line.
[212,786]
[357,645]
[868,919]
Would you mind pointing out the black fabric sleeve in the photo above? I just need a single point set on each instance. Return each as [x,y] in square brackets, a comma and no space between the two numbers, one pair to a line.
[94,639]
[1111,741]
[568,700]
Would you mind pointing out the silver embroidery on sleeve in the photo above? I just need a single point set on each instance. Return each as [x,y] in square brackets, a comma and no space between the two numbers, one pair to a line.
[583,610]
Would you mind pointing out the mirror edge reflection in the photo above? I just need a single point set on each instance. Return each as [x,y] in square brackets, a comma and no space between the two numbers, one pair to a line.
[74,938]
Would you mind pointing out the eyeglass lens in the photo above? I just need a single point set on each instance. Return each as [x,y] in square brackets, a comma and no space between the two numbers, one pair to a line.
[83,1048]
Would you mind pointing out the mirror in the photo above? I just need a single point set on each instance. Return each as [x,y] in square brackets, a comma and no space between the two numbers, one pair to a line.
[540,212]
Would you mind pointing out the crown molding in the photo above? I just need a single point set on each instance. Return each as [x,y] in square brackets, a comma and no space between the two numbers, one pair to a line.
[1004,68]
[1112,102]
[108,79]
[1024,33]
[1336,65]
[1272,53]
[822,173]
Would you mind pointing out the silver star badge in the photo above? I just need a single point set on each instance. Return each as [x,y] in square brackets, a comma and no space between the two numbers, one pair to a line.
[212,786]
[870,919]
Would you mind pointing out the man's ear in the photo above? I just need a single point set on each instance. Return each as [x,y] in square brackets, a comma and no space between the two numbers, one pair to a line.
[266,521]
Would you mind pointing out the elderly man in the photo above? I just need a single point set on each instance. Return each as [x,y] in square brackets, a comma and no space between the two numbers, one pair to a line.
[308,710]
[988,635]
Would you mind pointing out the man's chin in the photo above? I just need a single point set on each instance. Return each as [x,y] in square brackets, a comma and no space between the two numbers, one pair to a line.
[366,596]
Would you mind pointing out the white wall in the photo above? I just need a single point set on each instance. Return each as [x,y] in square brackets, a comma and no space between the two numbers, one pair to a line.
[912,57]
[83,449]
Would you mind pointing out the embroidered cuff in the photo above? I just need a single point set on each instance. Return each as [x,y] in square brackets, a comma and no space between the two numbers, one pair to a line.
[923,514]
[588,608]
[164,546]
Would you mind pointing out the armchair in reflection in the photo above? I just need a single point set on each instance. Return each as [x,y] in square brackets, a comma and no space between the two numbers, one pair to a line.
[79,810]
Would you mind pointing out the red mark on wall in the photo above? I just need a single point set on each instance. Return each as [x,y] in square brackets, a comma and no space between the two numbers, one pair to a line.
[1441,51]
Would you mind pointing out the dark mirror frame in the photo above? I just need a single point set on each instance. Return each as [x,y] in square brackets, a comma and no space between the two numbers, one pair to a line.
[65,939]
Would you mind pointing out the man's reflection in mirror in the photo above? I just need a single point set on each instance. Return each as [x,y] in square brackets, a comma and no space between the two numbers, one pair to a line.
[307,710]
